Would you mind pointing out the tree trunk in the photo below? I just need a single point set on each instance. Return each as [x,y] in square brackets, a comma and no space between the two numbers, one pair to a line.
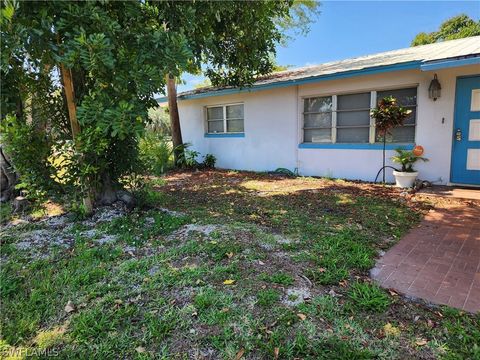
[72,115]
[8,178]
[174,118]
[384,145]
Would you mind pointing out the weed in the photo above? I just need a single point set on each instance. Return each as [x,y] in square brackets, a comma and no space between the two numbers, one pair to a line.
[369,297]
[267,297]
[277,278]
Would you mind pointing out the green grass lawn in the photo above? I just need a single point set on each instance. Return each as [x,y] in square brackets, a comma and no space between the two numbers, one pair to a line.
[223,265]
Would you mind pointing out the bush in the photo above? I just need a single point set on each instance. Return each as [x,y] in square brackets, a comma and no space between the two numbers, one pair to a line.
[156,153]
[29,149]
[209,161]
[188,158]
[368,297]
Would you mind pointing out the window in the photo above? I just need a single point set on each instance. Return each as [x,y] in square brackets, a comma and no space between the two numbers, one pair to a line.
[346,118]
[318,119]
[225,119]
[408,99]
[353,118]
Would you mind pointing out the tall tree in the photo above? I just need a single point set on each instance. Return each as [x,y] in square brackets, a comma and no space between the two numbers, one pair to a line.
[104,61]
[457,27]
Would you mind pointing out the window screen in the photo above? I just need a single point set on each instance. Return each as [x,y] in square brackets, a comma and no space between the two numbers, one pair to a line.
[408,99]
[353,118]
[317,119]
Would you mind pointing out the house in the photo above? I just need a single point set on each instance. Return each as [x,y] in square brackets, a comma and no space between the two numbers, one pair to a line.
[316,119]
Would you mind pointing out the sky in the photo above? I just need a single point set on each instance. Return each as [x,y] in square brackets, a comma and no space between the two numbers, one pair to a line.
[347,29]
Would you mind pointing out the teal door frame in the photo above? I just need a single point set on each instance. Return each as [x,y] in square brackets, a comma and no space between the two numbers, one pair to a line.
[461,143]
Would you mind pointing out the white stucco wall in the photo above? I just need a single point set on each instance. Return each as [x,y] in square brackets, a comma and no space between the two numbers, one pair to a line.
[270,128]
[273,124]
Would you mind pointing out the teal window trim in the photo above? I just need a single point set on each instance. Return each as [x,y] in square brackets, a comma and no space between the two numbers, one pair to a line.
[356,146]
[224,135]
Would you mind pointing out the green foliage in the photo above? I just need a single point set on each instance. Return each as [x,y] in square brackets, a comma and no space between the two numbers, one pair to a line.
[155,152]
[278,278]
[267,297]
[209,161]
[187,158]
[464,342]
[159,121]
[369,297]
[5,212]
[457,27]
[407,159]
[119,54]
[388,114]
[29,149]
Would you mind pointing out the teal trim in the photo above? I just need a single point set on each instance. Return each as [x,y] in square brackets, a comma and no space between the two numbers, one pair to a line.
[225,135]
[359,146]
[313,79]
[449,63]
[161,99]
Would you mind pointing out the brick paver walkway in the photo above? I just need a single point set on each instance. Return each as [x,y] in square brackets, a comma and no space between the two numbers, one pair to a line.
[439,261]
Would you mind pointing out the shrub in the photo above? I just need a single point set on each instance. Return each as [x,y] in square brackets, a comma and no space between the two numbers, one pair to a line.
[209,161]
[155,151]
[29,149]
[368,297]
[188,158]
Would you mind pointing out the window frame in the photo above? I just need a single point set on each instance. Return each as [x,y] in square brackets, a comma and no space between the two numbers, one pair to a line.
[225,120]
[373,104]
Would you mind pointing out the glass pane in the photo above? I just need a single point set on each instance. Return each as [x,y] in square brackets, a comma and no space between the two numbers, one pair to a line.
[348,118]
[404,96]
[318,104]
[353,101]
[404,134]
[411,118]
[235,111]
[234,125]
[318,135]
[353,135]
[318,120]
[214,113]
[215,126]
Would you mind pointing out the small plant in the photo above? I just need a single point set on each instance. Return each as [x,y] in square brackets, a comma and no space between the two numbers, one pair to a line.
[368,297]
[388,115]
[187,158]
[267,297]
[155,152]
[278,278]
[406,158]
[209,161]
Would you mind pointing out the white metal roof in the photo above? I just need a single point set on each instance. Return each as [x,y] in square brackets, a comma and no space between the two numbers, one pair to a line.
[425,54]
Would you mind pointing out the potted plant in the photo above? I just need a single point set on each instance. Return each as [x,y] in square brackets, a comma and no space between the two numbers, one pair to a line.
[387,115]
[406,177]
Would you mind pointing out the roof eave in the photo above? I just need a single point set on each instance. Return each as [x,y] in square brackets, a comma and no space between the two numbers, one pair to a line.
[409,65]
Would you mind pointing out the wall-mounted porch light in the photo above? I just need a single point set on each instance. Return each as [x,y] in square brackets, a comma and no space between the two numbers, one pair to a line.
[435,89]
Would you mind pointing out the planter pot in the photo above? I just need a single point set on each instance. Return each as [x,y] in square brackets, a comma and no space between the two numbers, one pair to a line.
[405,179]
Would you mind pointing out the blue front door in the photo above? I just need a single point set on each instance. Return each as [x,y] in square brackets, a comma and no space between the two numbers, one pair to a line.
[466,132]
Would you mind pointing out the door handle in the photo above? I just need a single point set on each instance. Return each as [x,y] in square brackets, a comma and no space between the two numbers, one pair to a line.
[458,135]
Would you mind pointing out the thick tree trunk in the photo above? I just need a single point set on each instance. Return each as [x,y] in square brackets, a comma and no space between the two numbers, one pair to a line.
[174,118]
[8,178]
[72,115]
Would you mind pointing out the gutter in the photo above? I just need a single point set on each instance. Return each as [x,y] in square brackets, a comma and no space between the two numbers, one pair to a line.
[410,65]
[312,79]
